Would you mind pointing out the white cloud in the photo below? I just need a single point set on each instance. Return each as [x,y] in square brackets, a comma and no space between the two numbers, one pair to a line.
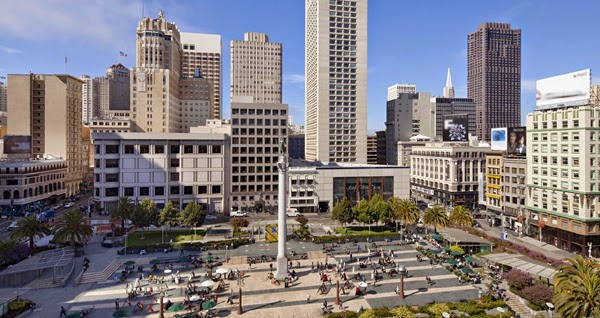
[294,78]
[10,50]
[528,85]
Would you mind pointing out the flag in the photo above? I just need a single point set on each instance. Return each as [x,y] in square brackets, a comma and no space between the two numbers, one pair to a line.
[122,54]
[2,77]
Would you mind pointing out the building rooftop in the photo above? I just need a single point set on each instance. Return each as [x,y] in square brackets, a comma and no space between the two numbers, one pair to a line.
[299,163]
[156,136]
[30,162]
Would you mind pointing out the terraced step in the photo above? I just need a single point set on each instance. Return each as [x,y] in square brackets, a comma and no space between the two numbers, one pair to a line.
[44,283]
[96,277]
[518,307]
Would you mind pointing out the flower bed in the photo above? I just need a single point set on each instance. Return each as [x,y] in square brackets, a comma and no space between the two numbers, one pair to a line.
[535,293]
[17,307]
[357,237]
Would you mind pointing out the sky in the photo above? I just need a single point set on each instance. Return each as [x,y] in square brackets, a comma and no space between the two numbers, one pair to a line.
[408,41]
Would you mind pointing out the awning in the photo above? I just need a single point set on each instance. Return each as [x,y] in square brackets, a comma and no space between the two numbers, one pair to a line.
[519,262]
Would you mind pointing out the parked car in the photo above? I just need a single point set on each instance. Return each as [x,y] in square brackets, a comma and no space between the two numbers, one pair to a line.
[12,226]
[69,204]
[238,214]
[211,217]
[56,207]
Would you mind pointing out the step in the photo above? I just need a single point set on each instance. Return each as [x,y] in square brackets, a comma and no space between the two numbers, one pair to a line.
[96,277]
[44,283]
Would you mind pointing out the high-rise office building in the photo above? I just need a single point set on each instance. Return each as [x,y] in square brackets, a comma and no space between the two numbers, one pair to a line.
[336,81]
[48,108]
[196,97]
[256,69]
[381,147]
[372,150]
[447,106]
[89,100]
[103,94]
[203,52]
[494,76]
[395,90]
[3,97]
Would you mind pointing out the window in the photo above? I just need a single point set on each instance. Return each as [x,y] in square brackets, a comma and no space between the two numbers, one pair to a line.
[112,163]
[112,149]
[129,149]
[128,192]
[188,149]
[174,149]
[216,189]
[174,176]
[174,163]
[202,189]
[174,190]
[159,149]
[144,148]
[159,190]
[144,191]
[188,190]
[112,177]
[203,149]
[216,149]
[112,192]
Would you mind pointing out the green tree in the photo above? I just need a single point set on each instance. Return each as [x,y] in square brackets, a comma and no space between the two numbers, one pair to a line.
[407,211]
[145,214]
[577,288]
[72,229]
[237,224]
[30,228]
[302,220]
[122,211]
[436,217]
[169,215]
[343,212]
[192,216]
[363,213]
[461,216]
[380,209]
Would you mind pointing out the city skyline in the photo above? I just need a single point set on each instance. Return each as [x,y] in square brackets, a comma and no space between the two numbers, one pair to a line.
[110,28]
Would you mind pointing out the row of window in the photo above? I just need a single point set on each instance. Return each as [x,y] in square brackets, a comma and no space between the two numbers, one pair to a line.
[159,191]
[160,149]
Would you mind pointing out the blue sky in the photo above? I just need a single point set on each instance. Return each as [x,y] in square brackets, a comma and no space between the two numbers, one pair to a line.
[409,41]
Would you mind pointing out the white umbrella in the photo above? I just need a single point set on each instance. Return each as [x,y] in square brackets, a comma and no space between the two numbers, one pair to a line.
[223,270]
[195,298]
[207,283]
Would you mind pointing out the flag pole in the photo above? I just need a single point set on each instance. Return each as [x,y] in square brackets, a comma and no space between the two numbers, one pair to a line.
[65,64]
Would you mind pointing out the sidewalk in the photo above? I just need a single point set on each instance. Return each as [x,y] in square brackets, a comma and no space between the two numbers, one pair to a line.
[530,243]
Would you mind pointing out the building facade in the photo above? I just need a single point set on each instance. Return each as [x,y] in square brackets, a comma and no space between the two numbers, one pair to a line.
[494,76]
[256,69]
[89,99]
[394,91]
[3,97]
[405,149]
[336,81]
[117,95]
[111,125]
[372,150]
[317,187]
[182,168]
[196,96]
[296,146]
[48,108]
[445,107]
[257,130]
[563,180]
[381,145]
[493,186]
[447,173]
[28,186]
[514,193]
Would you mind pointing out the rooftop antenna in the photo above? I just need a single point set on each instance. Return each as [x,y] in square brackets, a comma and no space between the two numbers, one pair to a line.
[143,2]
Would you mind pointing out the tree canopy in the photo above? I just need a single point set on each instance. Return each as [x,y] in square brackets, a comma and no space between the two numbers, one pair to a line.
[192,215]
[122,211]
[169,215]
[343,212]
[30,228]
[72,229]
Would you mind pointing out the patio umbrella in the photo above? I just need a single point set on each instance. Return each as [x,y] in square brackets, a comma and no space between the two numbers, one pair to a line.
[177,307]
[155,261]
[207,283]
[129,263]
[455,253]
[467,270]
[208,258]
[436,237]
[435,252]
[422,243]
[195,298]
[223,270]
[121,313]
[469,259]
[208,304]
[447,249]
[452,261]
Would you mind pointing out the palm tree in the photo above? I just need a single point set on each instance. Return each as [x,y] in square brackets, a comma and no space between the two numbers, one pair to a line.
[435,217]
[407,211]
[577,288]
[123,210]
[72,229]
[29,227]
[461,216]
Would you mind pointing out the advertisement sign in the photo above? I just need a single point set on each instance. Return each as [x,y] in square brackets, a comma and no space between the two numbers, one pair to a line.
[17,144]
[456,128]
[517,141]
[499,139]
[570,89]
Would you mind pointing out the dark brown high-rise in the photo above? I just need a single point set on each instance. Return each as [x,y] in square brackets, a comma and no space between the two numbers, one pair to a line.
[494,76]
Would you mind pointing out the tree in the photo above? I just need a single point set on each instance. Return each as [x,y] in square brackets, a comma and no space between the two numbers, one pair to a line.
[122,211]
[363,213]
[30,228]
[145,214]
[192,216]
[238,223]
[302,220]
[169,215]
[407,211]
[436,217]
[577,288]
[343,212]
[380,210]
[461,216]
[72,229]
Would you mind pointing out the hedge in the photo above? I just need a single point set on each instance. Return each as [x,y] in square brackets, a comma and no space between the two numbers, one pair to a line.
[358,237]
[187,246]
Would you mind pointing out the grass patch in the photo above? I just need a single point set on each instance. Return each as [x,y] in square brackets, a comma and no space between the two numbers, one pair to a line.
[364,230]
[154,237]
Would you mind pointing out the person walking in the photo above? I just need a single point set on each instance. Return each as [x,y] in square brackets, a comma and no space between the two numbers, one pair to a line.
[181,253]
[117,304]
[63,311]
[307,298]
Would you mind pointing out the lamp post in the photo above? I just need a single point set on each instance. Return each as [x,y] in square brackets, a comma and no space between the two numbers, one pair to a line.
[402,272]
[240,309]
[550,308]
[338,301]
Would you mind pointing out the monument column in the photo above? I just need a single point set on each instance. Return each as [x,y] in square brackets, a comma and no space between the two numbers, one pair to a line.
[282,262]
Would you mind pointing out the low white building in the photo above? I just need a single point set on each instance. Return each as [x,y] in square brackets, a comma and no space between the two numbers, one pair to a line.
[178,167]
[317,186]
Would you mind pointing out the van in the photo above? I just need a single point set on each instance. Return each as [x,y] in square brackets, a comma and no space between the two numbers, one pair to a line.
[292,212]
[238,214]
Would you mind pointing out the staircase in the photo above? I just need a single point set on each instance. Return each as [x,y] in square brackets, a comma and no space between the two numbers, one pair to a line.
[96,277]
[45,283]
[518,307]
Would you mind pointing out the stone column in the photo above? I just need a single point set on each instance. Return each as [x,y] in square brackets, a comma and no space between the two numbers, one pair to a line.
[282,262]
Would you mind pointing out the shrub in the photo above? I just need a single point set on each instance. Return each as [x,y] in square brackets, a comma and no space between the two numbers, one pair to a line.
[344,314]
[375,313]
[488,303]
[470,308]
[437,309]
[402,312]
[17,307]
[456,248]
[14,253]
[302,220]
[537,296]
[518,279]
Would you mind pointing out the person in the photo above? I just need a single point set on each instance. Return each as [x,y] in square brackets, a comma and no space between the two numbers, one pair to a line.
[521,148]
[360,309]
[325,304]
[307,298]
[271,267]
[397,290]
[63,311]
[181,254]
[512,143]
[117,304]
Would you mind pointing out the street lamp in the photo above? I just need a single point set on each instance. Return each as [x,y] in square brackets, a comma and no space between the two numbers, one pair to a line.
[500,310]
[402,271]
[550,308]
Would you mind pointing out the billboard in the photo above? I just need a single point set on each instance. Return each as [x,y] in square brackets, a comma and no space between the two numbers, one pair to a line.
[499,139]
[570,89]
[456,128]
[17,144]
[517,141]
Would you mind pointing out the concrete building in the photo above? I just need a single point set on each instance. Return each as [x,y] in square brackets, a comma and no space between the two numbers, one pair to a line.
[514,193]
[408,115]
[563,179]
[494,76]
[405,148]
[196,96]
[447,173]
[296,146]
[3,97]
[256,66]
[182,168]
[255,142]
[317,186]
[493,185]
[204,52]
[336,81]
[28,186]
[394,91]
[111,125]
[89,99]
[381,145]
[372,150]
[447,107]
[48,108]
[118,90]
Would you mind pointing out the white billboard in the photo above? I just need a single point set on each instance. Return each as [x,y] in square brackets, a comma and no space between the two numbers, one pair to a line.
[570,89]
[499,139]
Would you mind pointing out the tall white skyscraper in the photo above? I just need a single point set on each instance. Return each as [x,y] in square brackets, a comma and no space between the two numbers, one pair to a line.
[395,90]
[449,89]
[336,81]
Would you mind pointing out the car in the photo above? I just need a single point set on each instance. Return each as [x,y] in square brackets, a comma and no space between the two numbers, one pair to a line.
[56,207]
[69,204]
[238,214]
[12,226]
[211,217]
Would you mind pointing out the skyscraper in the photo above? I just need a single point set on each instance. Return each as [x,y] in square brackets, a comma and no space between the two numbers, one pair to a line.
[89,100]
[336,80]
[449,89]
[203,52]
[494,76]
[256,68]
[395,90]
[3,97]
